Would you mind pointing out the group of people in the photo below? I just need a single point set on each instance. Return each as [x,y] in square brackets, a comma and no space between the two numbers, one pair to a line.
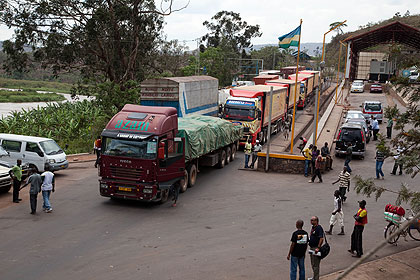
[44,183]
[313,161]
[251,150]
[300,239]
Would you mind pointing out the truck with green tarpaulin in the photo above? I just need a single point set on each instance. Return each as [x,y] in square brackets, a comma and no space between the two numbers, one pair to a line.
[146,150]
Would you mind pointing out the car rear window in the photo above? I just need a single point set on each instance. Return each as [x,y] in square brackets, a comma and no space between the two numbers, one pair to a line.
[350,135]
[375,107]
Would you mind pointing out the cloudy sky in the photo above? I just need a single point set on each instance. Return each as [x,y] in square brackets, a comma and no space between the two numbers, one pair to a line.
[279,17]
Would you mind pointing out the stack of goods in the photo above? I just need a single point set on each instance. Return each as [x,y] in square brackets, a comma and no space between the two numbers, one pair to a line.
[394,213]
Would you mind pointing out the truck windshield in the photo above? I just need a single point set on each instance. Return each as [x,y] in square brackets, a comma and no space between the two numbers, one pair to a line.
[245,114]
[130,148]
[50,147]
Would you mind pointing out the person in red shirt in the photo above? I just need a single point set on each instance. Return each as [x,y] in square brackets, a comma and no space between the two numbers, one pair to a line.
[97,149]
[359,225]
[317,167]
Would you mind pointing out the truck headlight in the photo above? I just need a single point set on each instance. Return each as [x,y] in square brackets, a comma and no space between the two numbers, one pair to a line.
[51,160]
[103,186]
[147,190]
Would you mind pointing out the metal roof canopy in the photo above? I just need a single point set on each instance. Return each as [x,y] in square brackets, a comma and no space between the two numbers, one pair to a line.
[394,32]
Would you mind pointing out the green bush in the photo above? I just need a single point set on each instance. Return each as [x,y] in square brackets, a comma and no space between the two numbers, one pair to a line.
[29,96]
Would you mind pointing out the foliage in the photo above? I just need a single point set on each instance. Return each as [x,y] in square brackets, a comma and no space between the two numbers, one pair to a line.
[229,31]
[29,96]
[76,124]
[271,55]
[35,85]
[338,29]
[170,57]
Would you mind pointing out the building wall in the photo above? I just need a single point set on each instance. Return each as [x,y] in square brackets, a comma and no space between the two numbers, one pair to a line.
[363,67]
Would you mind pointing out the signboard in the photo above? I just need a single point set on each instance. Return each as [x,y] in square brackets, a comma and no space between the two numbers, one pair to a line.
[159,92]
[240,103]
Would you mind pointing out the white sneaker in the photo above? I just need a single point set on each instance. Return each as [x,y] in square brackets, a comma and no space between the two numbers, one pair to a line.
[49,210]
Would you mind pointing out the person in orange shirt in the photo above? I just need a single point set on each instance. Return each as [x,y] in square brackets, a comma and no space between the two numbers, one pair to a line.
[97,149]
[359,225]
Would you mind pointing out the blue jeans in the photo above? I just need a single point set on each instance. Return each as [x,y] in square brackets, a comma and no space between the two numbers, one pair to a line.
[247,160]
[294,262]
[346,164]
[307,164]
[379,169]
[46,197]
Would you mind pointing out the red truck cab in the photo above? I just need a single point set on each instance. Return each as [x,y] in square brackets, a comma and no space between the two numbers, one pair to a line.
[141,155]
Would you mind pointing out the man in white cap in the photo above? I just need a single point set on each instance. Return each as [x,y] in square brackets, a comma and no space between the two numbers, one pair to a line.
[255,151]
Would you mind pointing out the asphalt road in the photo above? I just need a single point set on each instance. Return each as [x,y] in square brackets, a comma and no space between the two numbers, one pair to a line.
[233,224]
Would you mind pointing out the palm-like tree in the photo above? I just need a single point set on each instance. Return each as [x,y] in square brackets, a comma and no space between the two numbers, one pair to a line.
[339,29]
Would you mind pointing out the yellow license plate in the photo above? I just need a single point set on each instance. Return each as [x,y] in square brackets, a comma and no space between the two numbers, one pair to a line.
[124,189]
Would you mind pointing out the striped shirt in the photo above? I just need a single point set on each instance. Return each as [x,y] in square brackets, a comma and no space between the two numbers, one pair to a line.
[344,179]
[380,156]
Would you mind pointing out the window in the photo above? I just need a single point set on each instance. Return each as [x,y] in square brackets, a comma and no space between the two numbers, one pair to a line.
[12,146]
[33,147]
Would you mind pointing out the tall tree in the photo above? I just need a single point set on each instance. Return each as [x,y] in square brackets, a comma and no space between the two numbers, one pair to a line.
[339,29]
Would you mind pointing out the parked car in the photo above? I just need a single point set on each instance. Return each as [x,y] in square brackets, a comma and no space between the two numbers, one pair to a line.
[362,122]
[376,88]
[372,108]
[414,76]
[353,115]
[351,133]
[37,152]
[358,86]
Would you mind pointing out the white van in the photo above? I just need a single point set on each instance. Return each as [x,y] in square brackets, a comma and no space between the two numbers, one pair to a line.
[37,152]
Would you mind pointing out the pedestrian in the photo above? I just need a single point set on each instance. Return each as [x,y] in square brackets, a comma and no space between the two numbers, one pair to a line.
[337,215]
[380,157]
[325,152]
[349,155]
[389,125]
[397,161]
[248,151]
[308,158]
[315,242]
[286,129]
[315,153]
[303,143]
[48,186]
[16,174]
[297,251]
[344,183]
[174,192]
[97,149]
[359,225]
[317,168]
[375,128]
[257,148]
[36,181]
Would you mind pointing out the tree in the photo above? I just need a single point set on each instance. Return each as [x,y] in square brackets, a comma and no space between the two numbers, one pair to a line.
[270,54]
[170,57]
[339,29]
[229,31]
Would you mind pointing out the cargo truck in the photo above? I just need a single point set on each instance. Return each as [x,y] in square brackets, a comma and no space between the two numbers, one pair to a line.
[314,73]
[290,85]
[248,106]
[189,95]
[261,79]
[307,89]
[146,150]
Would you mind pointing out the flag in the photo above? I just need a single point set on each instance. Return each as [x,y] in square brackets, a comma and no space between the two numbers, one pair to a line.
[290,39]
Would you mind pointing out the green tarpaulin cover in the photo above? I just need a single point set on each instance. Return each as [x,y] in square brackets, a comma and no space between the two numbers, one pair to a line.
[205,134]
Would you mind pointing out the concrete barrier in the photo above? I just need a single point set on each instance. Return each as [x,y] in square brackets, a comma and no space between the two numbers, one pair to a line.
[282,163]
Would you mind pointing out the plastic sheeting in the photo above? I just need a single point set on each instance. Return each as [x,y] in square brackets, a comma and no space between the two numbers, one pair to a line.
[205,134]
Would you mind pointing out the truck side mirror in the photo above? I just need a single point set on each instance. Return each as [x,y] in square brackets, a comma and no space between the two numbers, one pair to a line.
[161,153]
[41,154]
[259,114]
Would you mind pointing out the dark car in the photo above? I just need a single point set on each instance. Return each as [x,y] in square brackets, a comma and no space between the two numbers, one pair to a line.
[362,122]
[376,88]
[354,134]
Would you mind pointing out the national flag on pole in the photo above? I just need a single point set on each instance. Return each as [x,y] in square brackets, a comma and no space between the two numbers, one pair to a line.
[290,39]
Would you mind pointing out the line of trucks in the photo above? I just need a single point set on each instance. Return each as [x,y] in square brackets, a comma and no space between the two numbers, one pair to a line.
[149,148]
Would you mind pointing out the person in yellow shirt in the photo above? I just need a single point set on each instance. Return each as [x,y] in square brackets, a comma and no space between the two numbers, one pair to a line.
[307,153]
[248,151]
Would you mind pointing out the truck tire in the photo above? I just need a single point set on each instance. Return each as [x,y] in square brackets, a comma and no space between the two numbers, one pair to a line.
[222,159]
[228,154]
[192,175]
[183,184]
[32,166]
[233,152]
[164,196]
[265,135]
[261,137]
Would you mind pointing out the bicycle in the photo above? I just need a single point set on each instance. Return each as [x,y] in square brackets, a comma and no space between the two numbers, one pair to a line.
[413,230]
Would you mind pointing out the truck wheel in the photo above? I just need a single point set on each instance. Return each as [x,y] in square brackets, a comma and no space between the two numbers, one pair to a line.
[222,159]
[164,196]
[233,152]
[228,154]
[192,175]
[5,189]
[184,182]
[32,166]
[265,135]
[261,137]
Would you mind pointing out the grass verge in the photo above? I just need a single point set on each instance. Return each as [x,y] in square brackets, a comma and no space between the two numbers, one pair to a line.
[35,85]
[28,96]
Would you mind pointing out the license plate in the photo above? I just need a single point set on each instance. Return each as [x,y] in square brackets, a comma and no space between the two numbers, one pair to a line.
[63,166]
[124,189]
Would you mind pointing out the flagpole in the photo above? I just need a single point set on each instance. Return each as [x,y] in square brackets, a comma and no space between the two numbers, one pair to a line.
[296,81]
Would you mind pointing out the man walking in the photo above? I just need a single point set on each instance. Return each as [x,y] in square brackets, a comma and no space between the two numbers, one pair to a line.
[247,150]
[397,162]
[375,127]
[389,125]
[307,153]
[317,171]
[359,225]
[36,181]
[16,174]
[344,183]
[380,157]
[349,155]
[325,152]
[337,215]
[315,242]
[297,251]
[255,151]
[48,185]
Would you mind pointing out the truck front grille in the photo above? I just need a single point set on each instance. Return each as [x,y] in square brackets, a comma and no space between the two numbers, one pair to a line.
[126,173]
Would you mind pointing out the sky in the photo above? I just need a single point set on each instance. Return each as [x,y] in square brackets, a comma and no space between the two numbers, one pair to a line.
[277,18]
